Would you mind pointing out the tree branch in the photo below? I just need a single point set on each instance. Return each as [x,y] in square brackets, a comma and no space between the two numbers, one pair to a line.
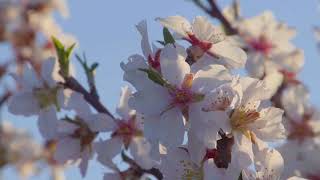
[73,84]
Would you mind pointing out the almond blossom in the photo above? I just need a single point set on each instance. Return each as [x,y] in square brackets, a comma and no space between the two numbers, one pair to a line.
[181,89]
[239,108]
[74,136]
[127,132]
[268,44]
[207,39]
[39,94]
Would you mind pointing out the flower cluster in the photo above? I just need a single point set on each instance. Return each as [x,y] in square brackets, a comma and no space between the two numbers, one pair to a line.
[186,113]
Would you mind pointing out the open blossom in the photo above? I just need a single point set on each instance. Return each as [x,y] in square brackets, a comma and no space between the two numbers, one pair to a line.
[127,132]
[239,109]
[268,44]
[74,136]
[206,39]
[40,94]
[182,88]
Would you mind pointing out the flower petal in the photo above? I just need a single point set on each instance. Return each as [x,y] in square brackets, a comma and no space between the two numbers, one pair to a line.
[233,56]
[173,64]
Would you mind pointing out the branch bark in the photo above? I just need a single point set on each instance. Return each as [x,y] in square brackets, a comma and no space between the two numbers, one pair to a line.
[73,84]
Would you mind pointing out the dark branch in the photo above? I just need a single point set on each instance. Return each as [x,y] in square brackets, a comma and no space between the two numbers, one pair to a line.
[5,97]
[73,84]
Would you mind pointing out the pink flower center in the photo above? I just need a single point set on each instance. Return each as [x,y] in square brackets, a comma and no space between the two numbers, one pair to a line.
[181,96]
[127,129]
[205,46]
[290,77]
[262,44]
[154,62]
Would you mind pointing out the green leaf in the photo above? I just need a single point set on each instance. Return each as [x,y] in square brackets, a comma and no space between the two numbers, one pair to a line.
[155,76]
[63,56]
[167,36]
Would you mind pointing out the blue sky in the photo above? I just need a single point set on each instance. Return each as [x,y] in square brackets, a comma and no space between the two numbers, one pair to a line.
[106,32]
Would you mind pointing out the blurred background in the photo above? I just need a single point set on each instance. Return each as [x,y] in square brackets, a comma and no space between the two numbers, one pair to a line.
[106,32]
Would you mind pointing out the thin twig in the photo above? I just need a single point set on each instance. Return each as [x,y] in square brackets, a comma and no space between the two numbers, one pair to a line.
[73,84]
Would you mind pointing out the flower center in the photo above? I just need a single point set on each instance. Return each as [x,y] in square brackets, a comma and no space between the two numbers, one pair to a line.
[242,117]
[85,135]
[190,171]
[262,44]
[47,96]
[204,45]
[127,130]
[154,62]
[181,96]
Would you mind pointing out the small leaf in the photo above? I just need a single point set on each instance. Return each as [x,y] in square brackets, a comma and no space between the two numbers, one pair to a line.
[155,76]
[167,36]
[63,56]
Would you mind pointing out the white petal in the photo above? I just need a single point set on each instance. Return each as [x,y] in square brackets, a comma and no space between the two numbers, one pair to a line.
[140,149]
[29,79]
[133,75]
[23,103]
[173,64]
[210,78]
[205,31]
[173,128]
[107,150]
[178,24]
[48,123]
[255,64]
[147,103]
[233,56]
[47,70]
[123,108]
[143,30]
[100,122]
[67,149]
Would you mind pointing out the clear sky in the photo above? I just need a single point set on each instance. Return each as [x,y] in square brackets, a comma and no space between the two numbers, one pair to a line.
[106,32]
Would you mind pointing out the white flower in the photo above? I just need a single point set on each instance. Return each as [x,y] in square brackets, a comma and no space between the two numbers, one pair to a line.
[205,38]
[172,100]
[269,46]
[75,136]
[239,108]
[39,95]
[126,131]
[296,102]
